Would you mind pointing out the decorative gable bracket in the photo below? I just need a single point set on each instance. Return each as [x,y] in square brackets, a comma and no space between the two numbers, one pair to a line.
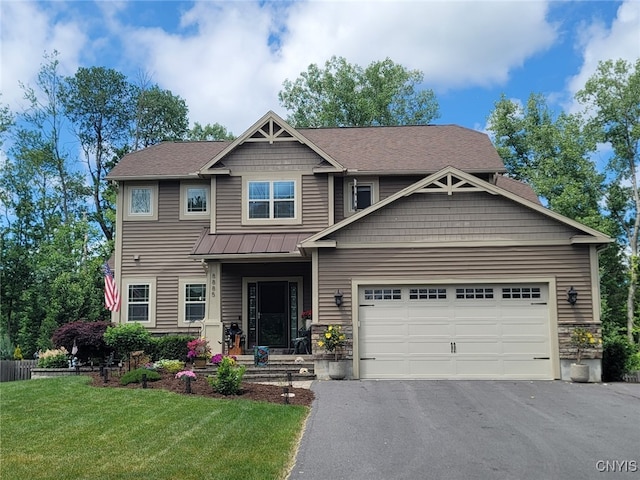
[449,183]
[271,132]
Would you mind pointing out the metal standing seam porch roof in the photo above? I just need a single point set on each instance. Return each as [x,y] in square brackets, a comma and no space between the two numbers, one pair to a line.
[238,244]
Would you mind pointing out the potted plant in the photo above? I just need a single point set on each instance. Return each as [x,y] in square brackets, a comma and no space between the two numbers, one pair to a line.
[333,340]
[582,339]
[199,352]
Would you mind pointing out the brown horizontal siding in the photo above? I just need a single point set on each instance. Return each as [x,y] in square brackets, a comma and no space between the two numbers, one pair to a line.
[390,185]
[228,204]
[459,217]
[568,264]
[265,157]
[338,196]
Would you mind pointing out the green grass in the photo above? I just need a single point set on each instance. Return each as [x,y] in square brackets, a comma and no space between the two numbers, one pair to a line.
[62,428]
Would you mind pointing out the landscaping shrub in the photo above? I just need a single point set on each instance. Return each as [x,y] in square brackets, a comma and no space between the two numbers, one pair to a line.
[135,376]
[89,338]
[169,366]
[126,338]
[169,346]
[616,352]
[228,377]
[57,358]
[6,347]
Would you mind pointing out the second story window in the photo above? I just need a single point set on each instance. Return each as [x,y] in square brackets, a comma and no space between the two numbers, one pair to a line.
[195,200]
[360,193]
[141,202]
[272,199]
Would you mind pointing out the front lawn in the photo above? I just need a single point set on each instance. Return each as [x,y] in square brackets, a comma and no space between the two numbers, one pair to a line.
[61,428]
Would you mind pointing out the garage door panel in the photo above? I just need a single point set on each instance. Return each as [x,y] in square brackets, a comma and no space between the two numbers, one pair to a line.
[487,332]
[435,328]
[429,346]
[481,328]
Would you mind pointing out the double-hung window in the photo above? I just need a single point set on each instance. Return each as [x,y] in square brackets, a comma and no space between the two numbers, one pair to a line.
[138,302]
[140,298]
[194,301]
[271,200]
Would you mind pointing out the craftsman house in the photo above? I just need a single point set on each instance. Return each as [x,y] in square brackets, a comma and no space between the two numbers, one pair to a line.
[435,263]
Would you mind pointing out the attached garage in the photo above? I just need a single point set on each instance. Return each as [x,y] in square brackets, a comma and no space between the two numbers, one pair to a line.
[461,330]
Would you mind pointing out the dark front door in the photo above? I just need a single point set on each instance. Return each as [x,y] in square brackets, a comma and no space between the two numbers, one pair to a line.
[273,314]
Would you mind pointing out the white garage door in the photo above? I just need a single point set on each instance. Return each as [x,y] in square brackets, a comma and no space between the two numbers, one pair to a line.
[454,331]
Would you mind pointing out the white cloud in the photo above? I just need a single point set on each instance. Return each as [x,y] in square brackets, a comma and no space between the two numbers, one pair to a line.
[221,62]
[599,43]
[26,34]
[227,71]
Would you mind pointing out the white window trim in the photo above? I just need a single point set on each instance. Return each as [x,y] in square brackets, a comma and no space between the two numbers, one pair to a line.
[273,177]
[153,215]
[182,283]
[184,189]
[373,182]
[151,281]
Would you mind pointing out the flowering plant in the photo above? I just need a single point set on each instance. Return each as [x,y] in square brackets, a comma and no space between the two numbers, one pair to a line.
[332,339]
[184,374]
[218,357]
[199,348]
[307,315]
[583,339]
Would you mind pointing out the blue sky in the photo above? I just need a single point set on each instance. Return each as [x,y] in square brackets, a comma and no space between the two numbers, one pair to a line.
[228,59]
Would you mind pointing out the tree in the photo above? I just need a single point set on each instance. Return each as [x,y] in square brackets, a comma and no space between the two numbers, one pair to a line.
[343,94]
[551,155]
[159,116]
[208,133]
[101,104]
[612,101]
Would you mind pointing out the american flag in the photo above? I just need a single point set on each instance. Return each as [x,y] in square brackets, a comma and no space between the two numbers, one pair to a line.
[111,294]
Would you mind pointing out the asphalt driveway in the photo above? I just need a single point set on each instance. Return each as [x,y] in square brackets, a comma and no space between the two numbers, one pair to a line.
[379,430]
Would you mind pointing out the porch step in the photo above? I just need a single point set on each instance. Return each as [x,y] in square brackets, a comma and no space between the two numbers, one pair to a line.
[277,369]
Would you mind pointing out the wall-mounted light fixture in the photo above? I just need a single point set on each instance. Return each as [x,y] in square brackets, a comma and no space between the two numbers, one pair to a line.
[338,297]
[572,296]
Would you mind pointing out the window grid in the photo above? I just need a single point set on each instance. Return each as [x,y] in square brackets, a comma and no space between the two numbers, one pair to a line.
[427,293]
[383,294]
[138,303]
[521,292]
[195,301]
[474,293]
[271,200]
[196,200]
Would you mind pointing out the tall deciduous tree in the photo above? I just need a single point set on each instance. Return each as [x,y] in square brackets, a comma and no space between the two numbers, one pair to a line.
[550,154]
[342,94]
[612,100]
[159,116]
[100,103]
[209,132]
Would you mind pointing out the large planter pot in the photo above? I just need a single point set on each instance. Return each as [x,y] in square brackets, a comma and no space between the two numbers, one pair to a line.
[337,369]
[200,362]
[579,372]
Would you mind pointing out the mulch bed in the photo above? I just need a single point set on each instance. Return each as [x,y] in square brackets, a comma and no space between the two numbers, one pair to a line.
[250,391]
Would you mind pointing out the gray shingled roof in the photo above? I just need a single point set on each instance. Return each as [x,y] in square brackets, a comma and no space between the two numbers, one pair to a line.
[166,159]
[410,149]
[420,149]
